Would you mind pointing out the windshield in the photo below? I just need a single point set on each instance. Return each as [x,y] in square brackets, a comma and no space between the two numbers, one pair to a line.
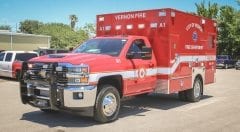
[106,46]
[25,56]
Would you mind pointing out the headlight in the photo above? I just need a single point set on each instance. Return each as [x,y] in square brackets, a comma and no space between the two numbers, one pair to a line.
[75,74]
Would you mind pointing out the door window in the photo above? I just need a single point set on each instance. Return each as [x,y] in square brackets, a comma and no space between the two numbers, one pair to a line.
[136,48]
[8,57]
[2,56]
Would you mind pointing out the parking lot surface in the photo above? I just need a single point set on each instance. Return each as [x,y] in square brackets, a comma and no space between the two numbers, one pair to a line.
[219,110]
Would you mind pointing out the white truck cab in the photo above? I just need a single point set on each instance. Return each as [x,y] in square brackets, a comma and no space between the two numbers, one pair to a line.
[8,58]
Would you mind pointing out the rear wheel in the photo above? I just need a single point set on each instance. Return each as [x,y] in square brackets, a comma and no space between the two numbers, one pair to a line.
[195,94]
[107,104]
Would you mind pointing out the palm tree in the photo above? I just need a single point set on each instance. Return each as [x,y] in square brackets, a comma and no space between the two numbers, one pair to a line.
[73,20]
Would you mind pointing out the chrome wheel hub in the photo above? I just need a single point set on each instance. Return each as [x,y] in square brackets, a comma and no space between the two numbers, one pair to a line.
[109,104]
[197,89]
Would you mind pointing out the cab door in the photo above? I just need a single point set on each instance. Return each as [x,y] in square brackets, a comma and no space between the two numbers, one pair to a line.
[7,65]
[142,80]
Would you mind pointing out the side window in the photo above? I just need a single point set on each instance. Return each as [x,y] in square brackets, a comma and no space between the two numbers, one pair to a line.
[8,57]
[2,56]
[24,56]
[136,48]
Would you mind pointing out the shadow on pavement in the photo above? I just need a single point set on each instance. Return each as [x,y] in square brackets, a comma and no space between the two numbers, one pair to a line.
[135,106]
[4,79]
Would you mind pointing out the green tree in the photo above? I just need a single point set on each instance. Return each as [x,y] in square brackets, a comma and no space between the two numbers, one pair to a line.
[229,31]
[30,26]
[5,27]
[228,20]
[62,35]
[73,20]
[211,11]
[90,29]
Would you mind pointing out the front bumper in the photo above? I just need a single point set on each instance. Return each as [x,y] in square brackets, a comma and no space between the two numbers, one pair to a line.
[58,98]
[220,65]
[87,100]
[49,93]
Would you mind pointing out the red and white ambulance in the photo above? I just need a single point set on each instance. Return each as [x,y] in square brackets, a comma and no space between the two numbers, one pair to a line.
[151,51]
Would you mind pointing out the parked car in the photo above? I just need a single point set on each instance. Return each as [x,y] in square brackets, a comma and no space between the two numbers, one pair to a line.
[237,66]
[11,62]
[225,61]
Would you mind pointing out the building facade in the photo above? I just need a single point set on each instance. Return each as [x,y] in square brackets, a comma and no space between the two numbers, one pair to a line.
[24,42]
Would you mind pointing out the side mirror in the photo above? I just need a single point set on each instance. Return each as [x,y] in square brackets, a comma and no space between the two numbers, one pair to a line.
[146,53]
[130,55]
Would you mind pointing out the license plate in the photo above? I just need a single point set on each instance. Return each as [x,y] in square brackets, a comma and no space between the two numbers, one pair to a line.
[41,103]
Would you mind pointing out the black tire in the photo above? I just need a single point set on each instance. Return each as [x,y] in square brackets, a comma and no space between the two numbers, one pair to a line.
[48,111]
[107,92]
[182,96]
[195,94]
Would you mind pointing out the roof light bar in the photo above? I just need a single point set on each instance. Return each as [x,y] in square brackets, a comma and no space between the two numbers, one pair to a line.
[101,19]
[129,27]
[118,27]
[153,25]
[141,26]
[173,14]
[108,28]
[215,24]
[203,21]
[162,13]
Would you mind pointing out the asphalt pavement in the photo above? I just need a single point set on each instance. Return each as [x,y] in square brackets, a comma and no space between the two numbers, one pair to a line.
[219,110]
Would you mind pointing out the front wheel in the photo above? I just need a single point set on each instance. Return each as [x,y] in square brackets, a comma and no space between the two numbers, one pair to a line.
[107,104]
[195,94]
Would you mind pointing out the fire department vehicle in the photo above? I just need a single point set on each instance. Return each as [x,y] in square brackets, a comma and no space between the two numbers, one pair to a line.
[151,51]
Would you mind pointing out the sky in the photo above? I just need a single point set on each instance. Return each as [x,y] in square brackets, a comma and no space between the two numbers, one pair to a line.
[14,11]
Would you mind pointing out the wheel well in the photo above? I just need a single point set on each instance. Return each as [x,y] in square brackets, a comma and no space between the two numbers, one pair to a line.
[16,71]
[200,77]
[115,81]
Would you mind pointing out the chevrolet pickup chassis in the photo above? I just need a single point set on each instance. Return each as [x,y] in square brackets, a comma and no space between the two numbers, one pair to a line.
[154,51]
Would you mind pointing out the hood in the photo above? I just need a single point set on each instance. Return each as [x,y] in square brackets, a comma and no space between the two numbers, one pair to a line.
[73,58]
